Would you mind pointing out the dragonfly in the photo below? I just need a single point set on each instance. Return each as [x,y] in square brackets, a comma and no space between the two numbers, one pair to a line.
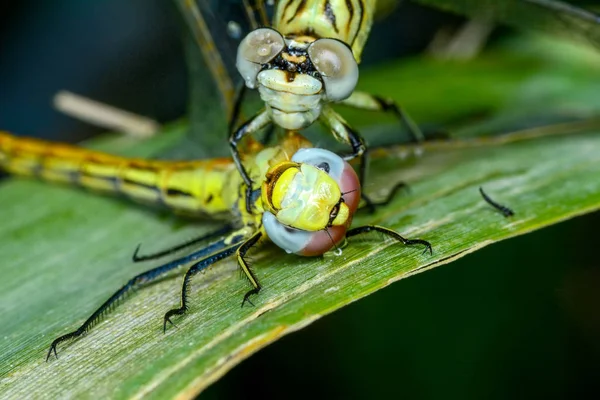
[304,204]
[301,56]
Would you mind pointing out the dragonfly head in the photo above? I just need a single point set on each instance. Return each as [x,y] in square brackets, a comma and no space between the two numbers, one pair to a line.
[309,201]
[294,74]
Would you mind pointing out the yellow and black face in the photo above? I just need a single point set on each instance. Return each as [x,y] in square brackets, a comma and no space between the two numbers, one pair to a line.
[309,201]
[304,197]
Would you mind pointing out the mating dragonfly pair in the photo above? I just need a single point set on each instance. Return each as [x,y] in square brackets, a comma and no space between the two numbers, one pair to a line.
[301,198]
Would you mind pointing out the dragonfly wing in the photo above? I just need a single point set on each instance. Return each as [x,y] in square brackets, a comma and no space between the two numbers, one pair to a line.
[216,27]
[546,15]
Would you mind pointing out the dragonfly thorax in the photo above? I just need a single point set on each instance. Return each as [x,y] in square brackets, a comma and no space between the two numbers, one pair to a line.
[297,74]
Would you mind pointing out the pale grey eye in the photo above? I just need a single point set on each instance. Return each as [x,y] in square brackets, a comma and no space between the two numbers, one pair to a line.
[336,64]
[323,159]
[289,239]
[258,47]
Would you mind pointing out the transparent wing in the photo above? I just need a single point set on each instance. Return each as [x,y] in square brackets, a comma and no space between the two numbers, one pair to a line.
[217,26]
[213,29]
[551,16]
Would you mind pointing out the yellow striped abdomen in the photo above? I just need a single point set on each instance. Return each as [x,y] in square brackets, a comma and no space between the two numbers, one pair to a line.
[208,187]
[347,20]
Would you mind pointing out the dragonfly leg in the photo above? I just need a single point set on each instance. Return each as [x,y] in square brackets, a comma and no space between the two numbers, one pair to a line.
[407,242]
[255,124]
[237,107]
[241,253]
[194,269]
[236,113]
[210,236]
[370,205]
[366,101]
[133,284]
[343,133]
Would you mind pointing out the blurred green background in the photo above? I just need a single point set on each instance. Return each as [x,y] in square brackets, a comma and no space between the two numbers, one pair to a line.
[518,319]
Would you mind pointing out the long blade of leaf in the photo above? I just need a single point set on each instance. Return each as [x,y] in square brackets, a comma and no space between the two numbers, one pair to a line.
[61,261]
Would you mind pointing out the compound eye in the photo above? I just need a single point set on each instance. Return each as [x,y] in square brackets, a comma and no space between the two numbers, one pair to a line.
[323,159]
[336,64]
[300,242]
[258,47]
[289,239]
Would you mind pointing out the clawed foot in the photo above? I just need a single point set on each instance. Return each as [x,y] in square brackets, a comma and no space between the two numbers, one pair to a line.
[52,349]
[425,243]
[60,339]
[169,314]
[247,296]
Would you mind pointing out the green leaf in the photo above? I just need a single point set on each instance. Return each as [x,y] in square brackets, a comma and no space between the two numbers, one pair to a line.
[64,251]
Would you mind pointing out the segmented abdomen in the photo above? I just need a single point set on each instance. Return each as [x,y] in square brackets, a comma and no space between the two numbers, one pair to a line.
[346,20]
[189,187]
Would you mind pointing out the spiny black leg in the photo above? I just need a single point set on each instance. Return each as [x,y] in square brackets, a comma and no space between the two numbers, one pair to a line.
[132,284]
[253,125]
[391,195]
[360,151]
[407,242]
[362,176]
[247,296]
[243,250]
[233,143]
[237,106]
[507,212]
[223,231]
[199,266]
[391,106]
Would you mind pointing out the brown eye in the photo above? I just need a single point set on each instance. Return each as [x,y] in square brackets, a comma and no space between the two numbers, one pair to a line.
[258,47]
[336,64]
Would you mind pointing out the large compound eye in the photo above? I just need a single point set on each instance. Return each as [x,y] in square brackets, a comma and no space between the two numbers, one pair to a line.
[339,170]
[336,64]
[322,159]
[301,242]
[289,239]
[258,47]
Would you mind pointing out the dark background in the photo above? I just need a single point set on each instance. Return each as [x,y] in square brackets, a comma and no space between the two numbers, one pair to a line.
[518,319]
